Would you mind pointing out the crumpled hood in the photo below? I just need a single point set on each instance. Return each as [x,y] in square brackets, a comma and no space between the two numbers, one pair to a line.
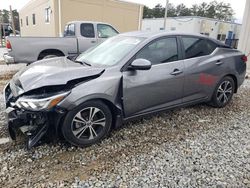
[50,72]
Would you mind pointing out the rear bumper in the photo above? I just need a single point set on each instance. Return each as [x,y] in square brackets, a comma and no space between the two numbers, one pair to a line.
[8,59]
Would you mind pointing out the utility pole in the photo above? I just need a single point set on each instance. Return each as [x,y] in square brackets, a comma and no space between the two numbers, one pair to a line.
[1,34]
[12,21]
[166,14]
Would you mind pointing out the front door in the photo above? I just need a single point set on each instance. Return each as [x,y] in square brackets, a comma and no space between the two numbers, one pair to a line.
[159,87]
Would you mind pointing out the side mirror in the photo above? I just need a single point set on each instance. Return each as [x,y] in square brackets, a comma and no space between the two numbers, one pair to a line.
[140,64]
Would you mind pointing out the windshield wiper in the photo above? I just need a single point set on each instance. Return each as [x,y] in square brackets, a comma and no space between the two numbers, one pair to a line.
[82,62]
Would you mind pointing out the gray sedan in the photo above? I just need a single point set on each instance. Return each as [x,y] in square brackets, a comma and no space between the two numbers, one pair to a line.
[127,76]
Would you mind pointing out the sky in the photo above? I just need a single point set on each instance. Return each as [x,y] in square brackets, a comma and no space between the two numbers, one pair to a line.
[237,5]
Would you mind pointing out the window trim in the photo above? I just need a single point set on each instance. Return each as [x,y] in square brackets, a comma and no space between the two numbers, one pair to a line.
[49,15]
[33,19]
[198,37]
[106,25]
[179,51]
[27,21]
[93,30]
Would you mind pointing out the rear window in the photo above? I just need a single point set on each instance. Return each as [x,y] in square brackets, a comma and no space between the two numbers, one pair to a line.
[87,30]
[196,47]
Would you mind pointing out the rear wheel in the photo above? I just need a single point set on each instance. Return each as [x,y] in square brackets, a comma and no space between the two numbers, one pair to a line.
[87,124]
[223,92]
[49,56]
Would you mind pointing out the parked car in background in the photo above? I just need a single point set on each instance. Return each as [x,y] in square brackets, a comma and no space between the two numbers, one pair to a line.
[78,37]
[125,77]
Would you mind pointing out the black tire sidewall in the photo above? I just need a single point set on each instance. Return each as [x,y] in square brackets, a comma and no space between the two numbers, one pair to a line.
[215,101]
[66,127]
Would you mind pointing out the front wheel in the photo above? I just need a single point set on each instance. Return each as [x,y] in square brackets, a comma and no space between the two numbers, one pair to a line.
[87,124]
[223,92]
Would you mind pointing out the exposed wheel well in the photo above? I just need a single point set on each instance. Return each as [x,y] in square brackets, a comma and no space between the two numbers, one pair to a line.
[50,52]
[235,82]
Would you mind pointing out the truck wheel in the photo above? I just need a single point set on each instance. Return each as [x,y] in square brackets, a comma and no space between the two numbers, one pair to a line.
[49,56]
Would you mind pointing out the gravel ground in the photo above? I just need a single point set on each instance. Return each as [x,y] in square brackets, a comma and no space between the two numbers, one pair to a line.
[2,51]
[197,146]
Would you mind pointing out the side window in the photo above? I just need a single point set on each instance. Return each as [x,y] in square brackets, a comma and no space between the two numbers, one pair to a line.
[69,30]
[196,47]
[87,30]
[105,31]
[47,15]
[160,51]
[27,20]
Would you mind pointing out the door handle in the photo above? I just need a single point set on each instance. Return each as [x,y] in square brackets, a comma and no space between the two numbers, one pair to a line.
[93,41]
[176,72]
[219,62]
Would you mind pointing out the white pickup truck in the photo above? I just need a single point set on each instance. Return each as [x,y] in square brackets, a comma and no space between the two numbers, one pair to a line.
[78,37]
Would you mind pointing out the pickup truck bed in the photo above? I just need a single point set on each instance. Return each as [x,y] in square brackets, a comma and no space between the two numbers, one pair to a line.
[78,37]
[22,47]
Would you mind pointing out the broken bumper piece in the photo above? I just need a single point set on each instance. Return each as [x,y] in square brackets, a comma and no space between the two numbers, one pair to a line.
[35,125]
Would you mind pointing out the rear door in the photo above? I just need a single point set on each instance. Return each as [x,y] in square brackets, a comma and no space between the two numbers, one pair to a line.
[87,37]
[202,67]
[159,87]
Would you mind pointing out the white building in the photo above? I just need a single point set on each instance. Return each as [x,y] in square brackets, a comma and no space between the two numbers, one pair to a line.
[194,24]
[244,43]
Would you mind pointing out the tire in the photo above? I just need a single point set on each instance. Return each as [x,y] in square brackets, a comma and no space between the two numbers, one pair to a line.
[223,92]
[49,56]
[81,130]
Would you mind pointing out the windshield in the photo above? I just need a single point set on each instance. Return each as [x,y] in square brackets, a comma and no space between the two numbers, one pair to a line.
[111,51]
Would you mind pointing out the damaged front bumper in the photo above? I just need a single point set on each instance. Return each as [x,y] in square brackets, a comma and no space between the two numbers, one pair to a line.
[34,124]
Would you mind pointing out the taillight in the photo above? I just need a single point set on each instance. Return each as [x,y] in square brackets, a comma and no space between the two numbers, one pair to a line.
[8,45]
[244,58]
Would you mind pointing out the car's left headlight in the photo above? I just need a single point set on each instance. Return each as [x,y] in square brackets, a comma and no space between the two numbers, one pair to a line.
[41,103]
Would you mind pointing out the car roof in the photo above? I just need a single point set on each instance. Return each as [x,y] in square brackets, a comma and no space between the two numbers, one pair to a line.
[156,34]
[150,34]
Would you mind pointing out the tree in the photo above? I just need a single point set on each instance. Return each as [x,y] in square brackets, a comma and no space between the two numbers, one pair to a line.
[147,12]
[158,11]
[182,10]
[217,10]
[171,10]
[222,11]
[6,18]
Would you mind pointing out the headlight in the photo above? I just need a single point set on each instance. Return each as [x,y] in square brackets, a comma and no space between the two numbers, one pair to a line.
[40,104]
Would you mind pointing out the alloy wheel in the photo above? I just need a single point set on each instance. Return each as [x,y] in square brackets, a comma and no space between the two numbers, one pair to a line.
[224,92]
[88,123]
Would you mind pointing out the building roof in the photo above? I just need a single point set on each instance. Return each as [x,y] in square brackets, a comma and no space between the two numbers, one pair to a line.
[191,18]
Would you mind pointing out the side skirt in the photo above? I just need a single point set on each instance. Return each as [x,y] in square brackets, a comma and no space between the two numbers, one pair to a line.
[127,119]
